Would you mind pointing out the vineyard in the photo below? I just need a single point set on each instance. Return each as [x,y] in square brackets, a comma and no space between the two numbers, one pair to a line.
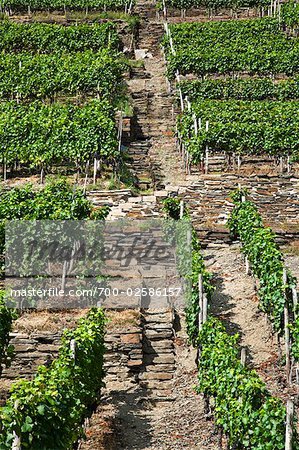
[63,86]
[159,140]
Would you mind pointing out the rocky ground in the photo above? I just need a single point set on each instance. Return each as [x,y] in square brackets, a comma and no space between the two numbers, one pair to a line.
[127,420]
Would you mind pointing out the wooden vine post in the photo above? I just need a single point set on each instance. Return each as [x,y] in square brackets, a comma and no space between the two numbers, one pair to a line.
[287,331]
[181,209]
[204,308]
[295,300]
[73,348]
[289,425]
[207,150]
[16,443]
[243,356]
[64,273]
[200,299]
[95,166]
[247,265]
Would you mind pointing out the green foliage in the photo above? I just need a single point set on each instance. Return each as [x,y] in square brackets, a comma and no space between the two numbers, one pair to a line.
[241,89]
[242,127]
[171,206]
[290,14]
[6,318]
[265,257]
[26,76]
[256,46]
[294,327]
[47,412]
[172,209]
[39,135]
[58,200]
[248,414]
[215,4]
[21,5]
[49,38]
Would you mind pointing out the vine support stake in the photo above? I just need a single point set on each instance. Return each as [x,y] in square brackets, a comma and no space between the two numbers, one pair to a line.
[243,356]
[195,124]
[287,330]
[239,162]
[95,167]
[64,271]
[73,348]
[204,308]
[247,265]
[181,209]
[16,443]
[207,150]
[85,183]
[287,342]
[200,299]
[295,300]
[289,425]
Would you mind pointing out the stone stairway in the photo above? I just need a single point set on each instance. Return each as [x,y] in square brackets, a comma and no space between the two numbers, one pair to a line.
[159,354]
[138,163]
[152,104]
[143,356]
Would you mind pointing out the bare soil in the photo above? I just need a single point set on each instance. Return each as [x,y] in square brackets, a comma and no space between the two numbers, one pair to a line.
[235,301]
[127,420]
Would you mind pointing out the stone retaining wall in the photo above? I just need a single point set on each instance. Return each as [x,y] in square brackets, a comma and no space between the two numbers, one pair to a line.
[139,354]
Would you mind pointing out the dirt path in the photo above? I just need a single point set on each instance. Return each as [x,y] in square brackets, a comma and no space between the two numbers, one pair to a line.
[236,302]
[126,420]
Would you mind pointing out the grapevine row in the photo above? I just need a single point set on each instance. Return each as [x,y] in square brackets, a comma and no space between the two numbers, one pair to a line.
[241,127]
[244,409]
[26,76]
[57,200]
[6,318]
[172,209]
[254,46]
[41,136]
[215,4]
[47,412]
[249,89]
[49,38]
[290,14]
[265,257]
[53,5]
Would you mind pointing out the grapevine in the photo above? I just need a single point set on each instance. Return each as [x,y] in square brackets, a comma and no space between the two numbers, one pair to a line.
[26,76]
[6,319]
[249,89]
[215,4]
[253,46]
[265,258]
[244,409]
[41,136]
[47,412]
[49,38]
[99,5]
[241,127]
